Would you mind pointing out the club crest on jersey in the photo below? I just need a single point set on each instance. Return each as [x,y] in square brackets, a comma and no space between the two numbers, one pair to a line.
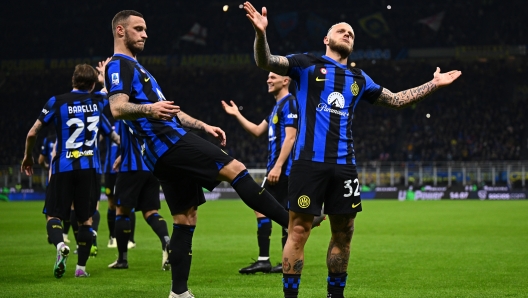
[303,201]
[354,88]
[323,70]
[275,119]
[115,78]
[336,99]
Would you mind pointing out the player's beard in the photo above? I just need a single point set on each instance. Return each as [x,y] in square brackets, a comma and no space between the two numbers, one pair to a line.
[342,49]
[131,45]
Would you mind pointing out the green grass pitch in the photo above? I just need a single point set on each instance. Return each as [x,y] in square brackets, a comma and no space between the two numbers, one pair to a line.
[399,249]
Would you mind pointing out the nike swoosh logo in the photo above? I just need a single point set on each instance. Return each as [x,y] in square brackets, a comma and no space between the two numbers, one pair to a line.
[261,191]
[320,80]
[147,79]
[355,205]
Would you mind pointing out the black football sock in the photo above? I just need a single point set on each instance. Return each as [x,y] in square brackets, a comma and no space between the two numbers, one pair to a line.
[96,219]
[284,237]
[85,241]
[67,224]
[132,217]
[122,232]
[180,256]
[259,199]
[263,236]
[74,225]
[110,217]
[290,284]
[54,228]
[336,284]
[159,226]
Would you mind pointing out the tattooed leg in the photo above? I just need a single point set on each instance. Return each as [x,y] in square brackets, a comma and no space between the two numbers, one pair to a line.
[338,254]
[298,232]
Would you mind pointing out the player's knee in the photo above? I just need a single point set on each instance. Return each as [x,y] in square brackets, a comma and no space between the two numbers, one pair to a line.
[186,217]
[299,234]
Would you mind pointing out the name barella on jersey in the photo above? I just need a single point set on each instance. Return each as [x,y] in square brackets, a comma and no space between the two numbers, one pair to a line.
[327,94]
[125,75]
[112,148]
[76,116]
[130,151]
[284,114]
[47,147]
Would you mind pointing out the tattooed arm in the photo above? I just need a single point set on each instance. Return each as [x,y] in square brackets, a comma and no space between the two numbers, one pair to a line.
[123,109]
[27,163]
[190,122]
[405,98]
[263,58]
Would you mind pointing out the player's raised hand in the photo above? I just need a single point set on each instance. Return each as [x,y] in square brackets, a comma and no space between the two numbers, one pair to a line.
[27,165]
[164,110]
[259,21]
[101,69]
[231,109]
[446,78]
[216,132]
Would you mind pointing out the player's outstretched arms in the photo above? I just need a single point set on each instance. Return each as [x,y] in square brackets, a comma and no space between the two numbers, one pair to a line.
[121,108]
[263,58]
[27,162]
[190,122]
[252,128]
[408,97]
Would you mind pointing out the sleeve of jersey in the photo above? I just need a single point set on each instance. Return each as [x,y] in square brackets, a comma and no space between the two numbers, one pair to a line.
[372,90]
[290,113]
[119,77]
[297,63]
[48,112]
[106,127]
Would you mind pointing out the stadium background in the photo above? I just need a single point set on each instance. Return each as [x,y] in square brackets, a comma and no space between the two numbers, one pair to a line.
[201,55]
[474,145]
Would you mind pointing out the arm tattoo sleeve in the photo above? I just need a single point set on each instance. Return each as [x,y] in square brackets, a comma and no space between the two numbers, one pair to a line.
[405,98]
[126,110]
[190,122]
[276,64]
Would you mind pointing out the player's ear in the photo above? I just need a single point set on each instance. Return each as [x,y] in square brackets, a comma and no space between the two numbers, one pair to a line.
[120,30]
[326,40]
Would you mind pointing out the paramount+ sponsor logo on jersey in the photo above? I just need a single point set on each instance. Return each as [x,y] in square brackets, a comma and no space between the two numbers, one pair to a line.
[335,102]
[77,153]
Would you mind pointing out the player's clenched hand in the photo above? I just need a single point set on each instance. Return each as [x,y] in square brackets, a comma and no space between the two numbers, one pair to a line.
[163,110]
[216,132]
[444,79]
[259,21]
[231,109]
[27,165]
[274,174]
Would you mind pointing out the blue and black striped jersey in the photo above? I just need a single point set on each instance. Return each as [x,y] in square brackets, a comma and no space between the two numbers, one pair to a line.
[112,148]
[47,147]
[130,151]
[76,116]
[327,94]
[284,114]
[125,75]
[106,130]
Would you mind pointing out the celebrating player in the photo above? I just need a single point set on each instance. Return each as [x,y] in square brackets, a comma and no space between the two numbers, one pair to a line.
[324,167]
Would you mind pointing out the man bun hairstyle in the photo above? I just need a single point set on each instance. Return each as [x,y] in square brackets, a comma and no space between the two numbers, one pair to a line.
[121,18]
[84,77]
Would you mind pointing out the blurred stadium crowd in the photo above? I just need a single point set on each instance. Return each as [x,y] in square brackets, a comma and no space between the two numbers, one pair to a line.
[479,118]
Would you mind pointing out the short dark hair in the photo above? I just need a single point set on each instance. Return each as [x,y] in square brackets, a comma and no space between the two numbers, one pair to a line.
[84,77]
[121,18]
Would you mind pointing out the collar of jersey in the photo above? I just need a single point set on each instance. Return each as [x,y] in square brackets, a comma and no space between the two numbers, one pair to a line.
[287,95]
[335,62]
[126,57]
[80,91]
